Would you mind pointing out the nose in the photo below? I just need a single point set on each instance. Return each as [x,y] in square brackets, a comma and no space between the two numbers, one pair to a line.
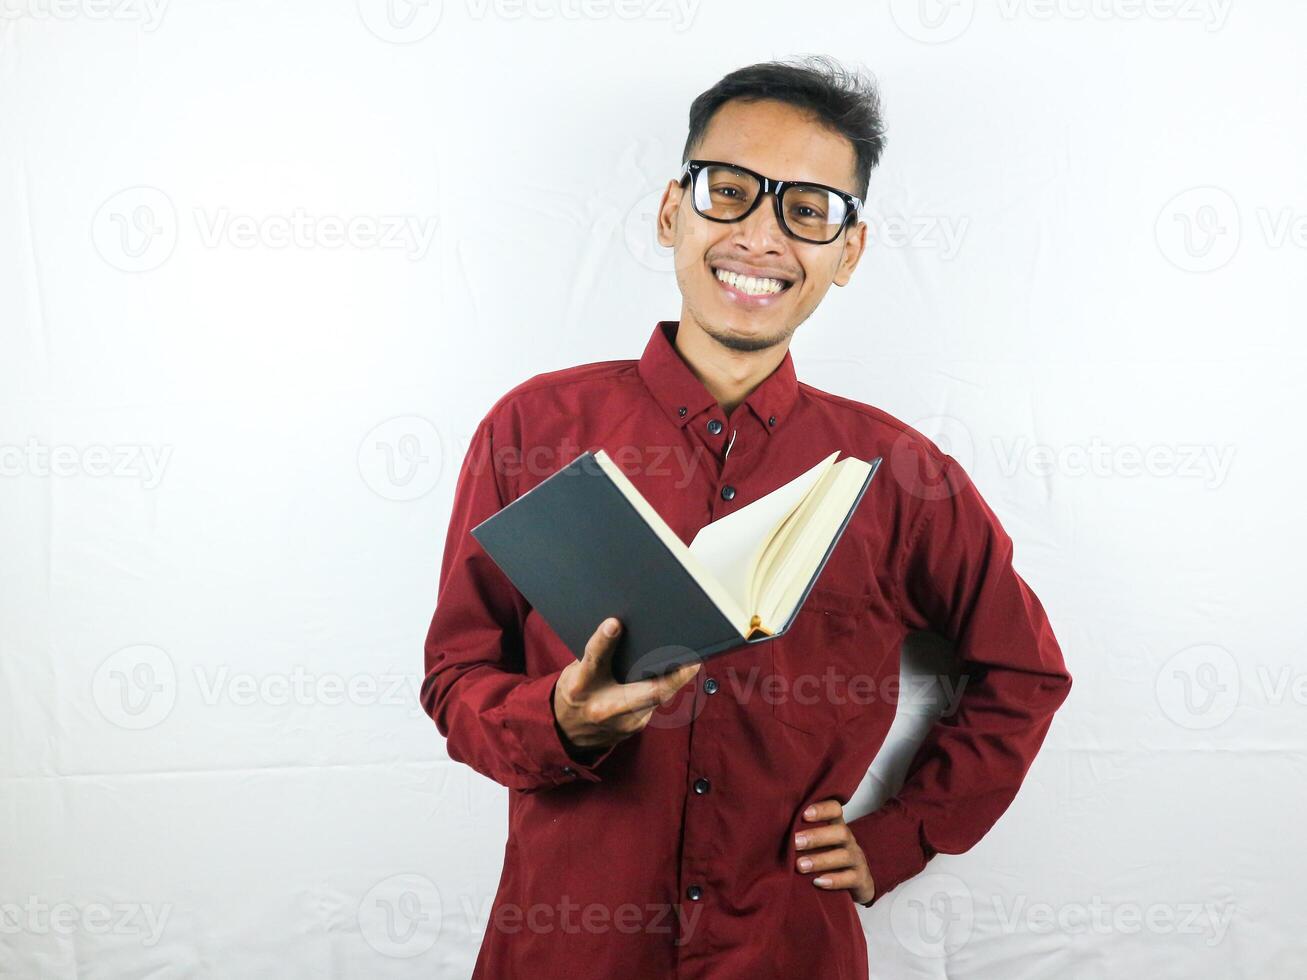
[760,231]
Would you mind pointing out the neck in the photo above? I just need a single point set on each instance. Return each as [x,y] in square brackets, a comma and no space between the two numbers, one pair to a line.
[728,372]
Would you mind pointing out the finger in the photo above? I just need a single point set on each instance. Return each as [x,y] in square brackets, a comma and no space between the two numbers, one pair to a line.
[635,721]
[597,658]
[639,696]
[838,879]
[638,719]
[836,859]
[667,685]
[630,705]
[831,835]
[635,697]
[824,810]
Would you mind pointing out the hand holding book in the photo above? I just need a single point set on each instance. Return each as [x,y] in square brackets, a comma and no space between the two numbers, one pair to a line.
[594,711]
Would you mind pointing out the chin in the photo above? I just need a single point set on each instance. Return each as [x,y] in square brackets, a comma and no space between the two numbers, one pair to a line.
[745,333]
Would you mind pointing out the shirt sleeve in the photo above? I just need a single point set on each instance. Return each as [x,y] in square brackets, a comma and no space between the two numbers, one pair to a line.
[494,717]
[956,578]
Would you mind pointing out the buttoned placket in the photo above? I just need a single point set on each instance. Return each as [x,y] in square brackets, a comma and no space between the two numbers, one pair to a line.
[732,442]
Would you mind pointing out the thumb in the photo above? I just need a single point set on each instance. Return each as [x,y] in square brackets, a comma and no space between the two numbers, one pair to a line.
[597,664]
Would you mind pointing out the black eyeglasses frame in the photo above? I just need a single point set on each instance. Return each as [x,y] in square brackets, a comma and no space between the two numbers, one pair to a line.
[776,188]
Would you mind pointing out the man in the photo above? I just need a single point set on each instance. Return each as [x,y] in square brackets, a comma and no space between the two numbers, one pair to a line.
[692,826]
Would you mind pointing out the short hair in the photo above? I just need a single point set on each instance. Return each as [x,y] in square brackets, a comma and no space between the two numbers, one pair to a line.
[846,101]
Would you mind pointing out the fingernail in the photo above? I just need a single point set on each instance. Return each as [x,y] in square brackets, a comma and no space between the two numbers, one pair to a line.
[611,627]
[805,864]
[821,882]
[800,840]
[810,813]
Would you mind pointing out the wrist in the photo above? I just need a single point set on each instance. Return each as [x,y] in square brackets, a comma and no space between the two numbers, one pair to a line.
[575,752]
[578,754]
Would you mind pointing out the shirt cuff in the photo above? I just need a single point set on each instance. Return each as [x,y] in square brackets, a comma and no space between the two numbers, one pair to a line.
[891,843]
[540,740]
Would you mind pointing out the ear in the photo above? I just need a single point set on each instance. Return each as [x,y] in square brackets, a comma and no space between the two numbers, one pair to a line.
[669,209]
[855,243]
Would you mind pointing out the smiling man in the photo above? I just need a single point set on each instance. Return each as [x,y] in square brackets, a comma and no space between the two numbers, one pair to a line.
[693,826]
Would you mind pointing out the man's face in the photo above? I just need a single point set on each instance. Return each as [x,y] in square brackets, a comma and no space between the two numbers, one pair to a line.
[785,143]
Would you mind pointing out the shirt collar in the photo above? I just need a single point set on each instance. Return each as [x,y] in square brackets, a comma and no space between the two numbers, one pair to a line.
[683,396]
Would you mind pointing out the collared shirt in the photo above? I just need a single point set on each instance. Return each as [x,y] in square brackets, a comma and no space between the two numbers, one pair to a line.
[672,854]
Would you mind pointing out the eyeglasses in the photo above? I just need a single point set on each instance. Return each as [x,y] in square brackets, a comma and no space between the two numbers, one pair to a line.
[809,212]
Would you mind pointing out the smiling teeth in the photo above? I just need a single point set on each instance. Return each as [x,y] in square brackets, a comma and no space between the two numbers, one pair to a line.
[750,285]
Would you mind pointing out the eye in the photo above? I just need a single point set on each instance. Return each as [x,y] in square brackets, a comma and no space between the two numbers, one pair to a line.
[806,212]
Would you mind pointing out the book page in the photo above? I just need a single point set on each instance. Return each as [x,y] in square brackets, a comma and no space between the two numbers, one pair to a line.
[775,557]
[730,546]
[805,549]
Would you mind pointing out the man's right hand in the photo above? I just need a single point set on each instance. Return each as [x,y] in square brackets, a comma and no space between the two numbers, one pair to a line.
[594,711]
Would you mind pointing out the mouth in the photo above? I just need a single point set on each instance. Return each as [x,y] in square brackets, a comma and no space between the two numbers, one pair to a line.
[751,291]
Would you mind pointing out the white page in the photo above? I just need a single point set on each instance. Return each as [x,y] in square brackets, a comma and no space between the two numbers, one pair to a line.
[728,547]
[800,564]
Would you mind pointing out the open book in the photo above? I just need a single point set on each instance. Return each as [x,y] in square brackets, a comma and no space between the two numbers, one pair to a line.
[585,544]
[758,564]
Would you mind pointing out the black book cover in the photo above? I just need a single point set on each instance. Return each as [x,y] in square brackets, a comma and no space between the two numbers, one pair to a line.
[579,552]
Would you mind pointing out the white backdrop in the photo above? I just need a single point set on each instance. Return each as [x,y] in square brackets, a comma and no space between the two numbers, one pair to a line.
[263,267]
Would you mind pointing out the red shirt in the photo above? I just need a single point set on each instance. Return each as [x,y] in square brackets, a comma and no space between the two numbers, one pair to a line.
[673,854]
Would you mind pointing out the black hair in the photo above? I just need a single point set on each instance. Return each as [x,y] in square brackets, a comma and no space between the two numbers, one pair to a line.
[846,101]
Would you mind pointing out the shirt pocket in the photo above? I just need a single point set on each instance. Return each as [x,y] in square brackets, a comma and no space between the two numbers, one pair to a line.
[817,659]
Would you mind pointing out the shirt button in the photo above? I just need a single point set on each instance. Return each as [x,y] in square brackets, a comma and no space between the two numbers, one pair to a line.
[702,786]
[772,420]
[710,685]
[694,893]
[681,411]
[714,426]
[728,492]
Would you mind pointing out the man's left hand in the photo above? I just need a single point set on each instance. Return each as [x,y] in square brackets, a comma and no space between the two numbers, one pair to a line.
[833,852]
